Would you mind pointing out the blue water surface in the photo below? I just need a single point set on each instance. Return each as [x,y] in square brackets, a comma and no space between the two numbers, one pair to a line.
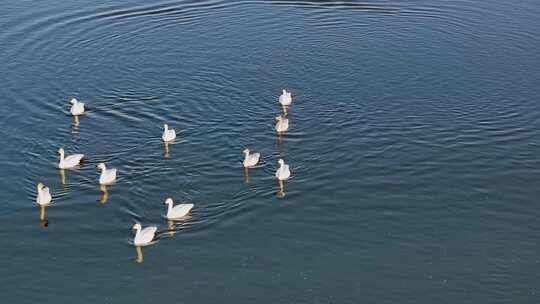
[414,145]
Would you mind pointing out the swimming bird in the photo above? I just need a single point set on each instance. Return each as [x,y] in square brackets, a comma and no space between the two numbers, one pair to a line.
[107,176]
[282,124]
[69,161]
[168,134]
[285,99]
[250,160]
[283,172]
[44,196]
[77,107]
[144,237]
[178,211]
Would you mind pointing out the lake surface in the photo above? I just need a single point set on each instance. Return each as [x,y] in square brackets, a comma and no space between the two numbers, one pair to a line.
[414,146]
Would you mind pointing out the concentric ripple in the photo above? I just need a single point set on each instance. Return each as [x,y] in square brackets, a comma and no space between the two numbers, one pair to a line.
[414,148]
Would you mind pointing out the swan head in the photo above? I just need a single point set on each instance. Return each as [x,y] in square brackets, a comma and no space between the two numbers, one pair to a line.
[73,100]
[61,151]
[137,226]
[168,201]
[101,166]
[245,151]
[166,126]
[40,186]
[281,162]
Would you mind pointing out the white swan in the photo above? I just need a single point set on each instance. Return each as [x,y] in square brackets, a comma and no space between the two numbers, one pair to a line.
[178,211]
[144,237]
[77,107]
[283,172]
[285,99]
[282,124]
[250,160]
[69,161]
[107,176]
[168,134]
[44,196]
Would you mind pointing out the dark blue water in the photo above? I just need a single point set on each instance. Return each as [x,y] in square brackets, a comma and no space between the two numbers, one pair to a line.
[414,146]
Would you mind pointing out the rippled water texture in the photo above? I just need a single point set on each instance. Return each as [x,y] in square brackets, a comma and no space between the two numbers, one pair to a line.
[414,146]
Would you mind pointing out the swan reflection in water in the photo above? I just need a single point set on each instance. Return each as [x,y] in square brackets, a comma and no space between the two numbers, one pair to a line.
[104,194]
[281,192]
[170,228]
[246,176]
[42,219]
[140,257]
[75,122]
[173,225]
[285,110]
[166,150]
[62,173]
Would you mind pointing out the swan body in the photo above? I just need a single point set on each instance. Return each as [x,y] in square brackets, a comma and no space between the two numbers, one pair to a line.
[168,134]
[77,107]
[70,161]
[143,237]
[178,211]
[250,159]
[107,176]
[44,197]
[283,172]
[282,124]
[285,99]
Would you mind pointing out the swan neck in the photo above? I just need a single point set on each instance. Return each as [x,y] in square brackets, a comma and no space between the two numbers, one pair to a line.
[169,208]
